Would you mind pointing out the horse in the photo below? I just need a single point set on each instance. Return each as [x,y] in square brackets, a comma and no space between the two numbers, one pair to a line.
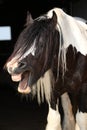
[50,59]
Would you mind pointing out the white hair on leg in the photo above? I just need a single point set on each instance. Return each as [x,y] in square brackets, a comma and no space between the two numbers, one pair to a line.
[81,119]
[53,119]
[77,127]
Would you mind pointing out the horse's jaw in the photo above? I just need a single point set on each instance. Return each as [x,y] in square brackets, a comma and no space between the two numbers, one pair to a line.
[23,87]
[41,87]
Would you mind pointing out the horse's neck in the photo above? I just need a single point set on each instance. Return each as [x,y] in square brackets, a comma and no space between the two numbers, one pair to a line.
[72,30]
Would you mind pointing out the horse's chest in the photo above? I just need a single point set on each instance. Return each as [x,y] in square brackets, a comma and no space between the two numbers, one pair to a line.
[76,72]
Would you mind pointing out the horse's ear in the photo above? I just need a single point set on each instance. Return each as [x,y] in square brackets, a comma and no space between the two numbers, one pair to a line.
[54,19]
[29,19]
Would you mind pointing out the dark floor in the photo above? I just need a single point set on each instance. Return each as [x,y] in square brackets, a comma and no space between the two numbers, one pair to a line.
[18,112]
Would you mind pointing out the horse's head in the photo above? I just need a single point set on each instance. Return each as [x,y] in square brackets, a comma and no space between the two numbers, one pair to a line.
[34,52]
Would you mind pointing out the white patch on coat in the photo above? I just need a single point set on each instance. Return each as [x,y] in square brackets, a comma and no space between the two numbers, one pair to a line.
[81,119]
[53,119]
[81,20]
[74,32]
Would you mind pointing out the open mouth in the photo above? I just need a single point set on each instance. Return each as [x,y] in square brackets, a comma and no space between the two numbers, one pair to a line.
[23,86]
[16,77]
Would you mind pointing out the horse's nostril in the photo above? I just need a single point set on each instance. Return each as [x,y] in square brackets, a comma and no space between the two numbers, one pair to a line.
[22,65]
[10,70]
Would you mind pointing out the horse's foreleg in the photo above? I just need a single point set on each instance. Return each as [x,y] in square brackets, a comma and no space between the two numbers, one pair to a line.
[81,119]
[77,127]
[53,119]
[81,115]
[69,121]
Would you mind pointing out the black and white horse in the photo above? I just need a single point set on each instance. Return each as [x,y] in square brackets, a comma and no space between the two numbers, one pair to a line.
[49,59]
